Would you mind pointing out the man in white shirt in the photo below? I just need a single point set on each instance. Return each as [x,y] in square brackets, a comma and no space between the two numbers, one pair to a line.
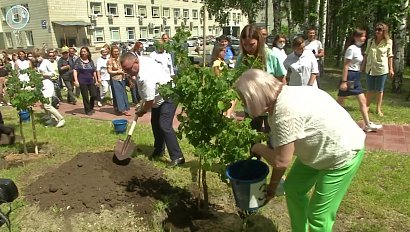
[317,49]
[46,69]
[150,75]
[56,77]
[103,75]
[163,57]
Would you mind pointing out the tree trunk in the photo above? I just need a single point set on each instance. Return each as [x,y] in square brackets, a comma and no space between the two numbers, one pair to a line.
[205,190]
[289,17]
[317,20]
[306,15]
[33,126]
[199,183]
[23,139]
[277,19]
[324,23]
[399,42]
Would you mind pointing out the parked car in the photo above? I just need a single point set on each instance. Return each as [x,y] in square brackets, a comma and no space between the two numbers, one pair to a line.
[144,42]
[151,42]
[192,42]
[236,46]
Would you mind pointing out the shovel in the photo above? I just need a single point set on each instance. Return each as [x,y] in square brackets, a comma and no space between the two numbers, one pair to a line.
[124,149]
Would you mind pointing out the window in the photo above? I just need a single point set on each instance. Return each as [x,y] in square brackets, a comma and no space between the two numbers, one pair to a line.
[19,41]
[112,8]
[131,33]
[195,14]
[142,11]
[129,10]
[177,13]
[167,31]
[157,32]
[143,32]
[209,16]
[155,12]
[165,12]
[234,16]
[186,14]
[239,17]
[29,38]
[9,40]
[96,8]
[115,34]
[99,35]
[229,17]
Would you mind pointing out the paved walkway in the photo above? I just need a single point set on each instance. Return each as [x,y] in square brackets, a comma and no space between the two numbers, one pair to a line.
[391,138]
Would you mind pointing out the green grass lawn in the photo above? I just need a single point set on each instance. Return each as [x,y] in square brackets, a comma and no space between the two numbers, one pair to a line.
[378,199]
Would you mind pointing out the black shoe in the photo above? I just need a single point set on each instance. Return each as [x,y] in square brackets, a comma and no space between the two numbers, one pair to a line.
[177,162]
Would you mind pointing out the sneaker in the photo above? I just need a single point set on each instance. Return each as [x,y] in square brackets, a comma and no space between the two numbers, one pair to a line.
[99,104]
[61,123]
[372,127]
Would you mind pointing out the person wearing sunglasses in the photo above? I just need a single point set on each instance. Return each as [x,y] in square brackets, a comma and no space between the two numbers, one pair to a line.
[378,64]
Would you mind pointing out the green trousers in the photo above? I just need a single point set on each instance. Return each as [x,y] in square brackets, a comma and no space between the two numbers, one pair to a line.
[318,213]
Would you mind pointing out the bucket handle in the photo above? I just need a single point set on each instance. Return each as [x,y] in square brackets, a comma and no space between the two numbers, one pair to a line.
[263,188]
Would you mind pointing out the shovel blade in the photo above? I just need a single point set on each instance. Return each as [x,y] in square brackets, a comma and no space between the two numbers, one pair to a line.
[122,152]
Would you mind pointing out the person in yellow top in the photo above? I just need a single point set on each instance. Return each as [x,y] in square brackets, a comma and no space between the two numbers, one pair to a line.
[217,66]
[218,60]
[378,63]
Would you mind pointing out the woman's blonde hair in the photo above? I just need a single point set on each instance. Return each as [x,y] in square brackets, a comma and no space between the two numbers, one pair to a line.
[258,90]
[385,30]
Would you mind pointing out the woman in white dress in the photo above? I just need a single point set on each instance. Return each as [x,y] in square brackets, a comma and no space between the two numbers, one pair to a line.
[21,64]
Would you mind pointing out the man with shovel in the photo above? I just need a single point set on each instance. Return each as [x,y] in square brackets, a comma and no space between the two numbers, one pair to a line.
[150,75]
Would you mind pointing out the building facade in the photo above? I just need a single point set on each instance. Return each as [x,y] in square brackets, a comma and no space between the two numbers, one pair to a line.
[53,23]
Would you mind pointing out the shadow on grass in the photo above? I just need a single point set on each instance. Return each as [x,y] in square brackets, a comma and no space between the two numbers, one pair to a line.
[182,213]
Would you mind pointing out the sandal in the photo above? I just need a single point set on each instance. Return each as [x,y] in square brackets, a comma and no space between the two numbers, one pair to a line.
[126,113]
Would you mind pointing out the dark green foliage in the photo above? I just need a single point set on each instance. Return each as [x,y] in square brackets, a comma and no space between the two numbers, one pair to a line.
[204,98]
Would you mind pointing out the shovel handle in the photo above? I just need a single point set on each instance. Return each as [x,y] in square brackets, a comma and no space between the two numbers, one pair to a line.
[131,130]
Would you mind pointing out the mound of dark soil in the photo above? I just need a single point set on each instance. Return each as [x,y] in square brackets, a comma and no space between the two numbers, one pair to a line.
[91,180]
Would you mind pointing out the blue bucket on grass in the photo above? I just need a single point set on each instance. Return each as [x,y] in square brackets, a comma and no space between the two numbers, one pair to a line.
[120,125]
[24,115]
[248,179]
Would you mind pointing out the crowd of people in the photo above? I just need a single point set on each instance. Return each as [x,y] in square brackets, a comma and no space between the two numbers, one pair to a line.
[280,93]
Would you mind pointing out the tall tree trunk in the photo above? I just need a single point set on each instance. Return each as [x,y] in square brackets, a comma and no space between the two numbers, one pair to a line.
[324,23]
[277,19]
[399,42]
[317,20]
[306,15]
[289,16]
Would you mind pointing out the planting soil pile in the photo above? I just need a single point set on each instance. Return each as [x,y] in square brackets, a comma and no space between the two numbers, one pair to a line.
[90,181]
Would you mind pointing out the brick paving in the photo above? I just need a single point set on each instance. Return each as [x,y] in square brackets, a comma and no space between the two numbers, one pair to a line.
[394,138]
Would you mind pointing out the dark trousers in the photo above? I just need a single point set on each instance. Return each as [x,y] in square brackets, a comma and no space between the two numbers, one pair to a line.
[134,95]
[70,94]
[261,124]
[88,91]
[164,134]
[57,89]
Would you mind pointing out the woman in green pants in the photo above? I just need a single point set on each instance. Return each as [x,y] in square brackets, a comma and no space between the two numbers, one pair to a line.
[327,142]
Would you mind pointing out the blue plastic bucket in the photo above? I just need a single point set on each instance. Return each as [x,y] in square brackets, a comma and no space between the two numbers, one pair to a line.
[120,125]
[248,179]
[24,115]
